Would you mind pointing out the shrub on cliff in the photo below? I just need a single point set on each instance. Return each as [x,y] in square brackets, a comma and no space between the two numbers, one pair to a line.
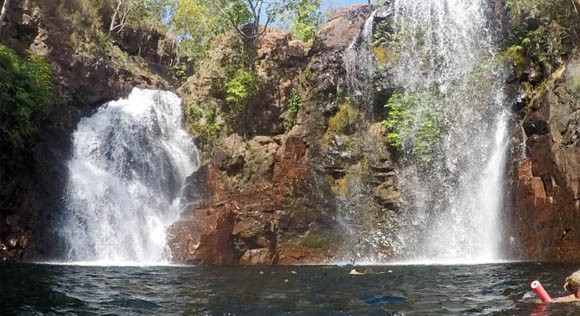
[240,89]
[544,34]
[544,31]
[25,95]
[292,108]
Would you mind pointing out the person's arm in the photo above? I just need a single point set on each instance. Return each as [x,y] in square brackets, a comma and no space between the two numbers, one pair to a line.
[568,298]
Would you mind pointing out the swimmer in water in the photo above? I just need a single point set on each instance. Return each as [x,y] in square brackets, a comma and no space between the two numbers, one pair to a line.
[355,272]
[572,286]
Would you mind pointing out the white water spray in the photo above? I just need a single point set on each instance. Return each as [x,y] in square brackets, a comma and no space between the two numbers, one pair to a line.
[446,56]
[441,59]
[130,160]
[360,64]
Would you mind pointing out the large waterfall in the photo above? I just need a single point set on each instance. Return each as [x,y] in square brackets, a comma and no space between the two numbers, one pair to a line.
[129,163]
[454,198]
[452,130]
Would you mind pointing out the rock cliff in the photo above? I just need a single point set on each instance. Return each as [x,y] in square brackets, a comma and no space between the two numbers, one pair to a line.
[341,152]
[292,197]
[546,197]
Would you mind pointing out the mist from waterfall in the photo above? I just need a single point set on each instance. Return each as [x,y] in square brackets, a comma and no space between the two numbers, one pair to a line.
[129,163]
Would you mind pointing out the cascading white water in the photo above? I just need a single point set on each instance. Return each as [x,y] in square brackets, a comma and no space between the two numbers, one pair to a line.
[360,64]
[130,160]
[3,13]
[446,68]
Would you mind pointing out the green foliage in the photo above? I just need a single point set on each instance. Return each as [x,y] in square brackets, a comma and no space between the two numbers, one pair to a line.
[205,123]
[26,92]
[544,34]
[546,11]
[138,14]
[384,33]
[386,43]
[513,54]
[240,89]
[414,125]
[196,24]
[545,30]
[292,108]
[304,16]
[238,12]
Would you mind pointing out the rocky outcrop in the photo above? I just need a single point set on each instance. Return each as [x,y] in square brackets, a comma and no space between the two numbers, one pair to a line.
[258,200]
[278,62]
[546,197]
[284,198]
[89,69]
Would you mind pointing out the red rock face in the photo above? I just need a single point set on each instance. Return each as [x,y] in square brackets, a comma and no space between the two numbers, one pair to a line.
[252,203]
[546,194]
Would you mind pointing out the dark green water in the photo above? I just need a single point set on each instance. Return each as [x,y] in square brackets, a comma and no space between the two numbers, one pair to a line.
[496,289]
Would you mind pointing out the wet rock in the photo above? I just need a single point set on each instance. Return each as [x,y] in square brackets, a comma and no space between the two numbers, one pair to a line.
[257,257]
[204,236]
[387,193]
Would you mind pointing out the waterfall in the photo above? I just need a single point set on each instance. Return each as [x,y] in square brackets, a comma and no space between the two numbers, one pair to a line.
[454,187]
[450,128]
[3,13]
[129,163]
[360,64]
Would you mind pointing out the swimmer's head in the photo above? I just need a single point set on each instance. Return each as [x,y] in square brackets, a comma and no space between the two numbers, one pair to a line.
[572,283]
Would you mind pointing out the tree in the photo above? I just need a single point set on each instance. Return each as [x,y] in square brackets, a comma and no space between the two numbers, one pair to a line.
[245,16]
[133,11]
[121,14]
[304,17]
[197,22]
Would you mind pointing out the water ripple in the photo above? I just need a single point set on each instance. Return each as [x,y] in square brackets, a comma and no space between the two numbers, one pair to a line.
[497,289]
